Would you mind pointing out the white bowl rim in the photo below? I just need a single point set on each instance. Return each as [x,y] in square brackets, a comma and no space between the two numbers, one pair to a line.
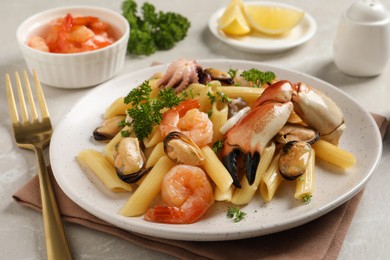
[124,36]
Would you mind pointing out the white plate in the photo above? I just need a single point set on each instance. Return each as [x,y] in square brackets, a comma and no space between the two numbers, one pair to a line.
[333,187]
[261,43]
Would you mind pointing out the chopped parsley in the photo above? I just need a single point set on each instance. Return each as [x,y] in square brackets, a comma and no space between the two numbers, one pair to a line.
[217,146]
[146,111]
[188,93]
[125,133]
[123,123]
[209,113]
[236,214]
[307,198]
[220,97]
[211,97]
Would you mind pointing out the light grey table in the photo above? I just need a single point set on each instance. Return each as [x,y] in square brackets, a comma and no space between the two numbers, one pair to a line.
[21,233]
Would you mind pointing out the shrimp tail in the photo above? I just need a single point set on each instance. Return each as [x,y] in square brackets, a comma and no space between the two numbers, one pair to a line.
[165,214]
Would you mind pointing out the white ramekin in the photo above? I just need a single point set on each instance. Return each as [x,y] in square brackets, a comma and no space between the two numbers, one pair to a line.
[76,70]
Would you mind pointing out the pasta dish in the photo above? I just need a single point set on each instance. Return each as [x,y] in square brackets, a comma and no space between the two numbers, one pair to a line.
[199,135]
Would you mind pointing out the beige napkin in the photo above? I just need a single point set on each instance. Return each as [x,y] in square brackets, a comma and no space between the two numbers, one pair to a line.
[318,239]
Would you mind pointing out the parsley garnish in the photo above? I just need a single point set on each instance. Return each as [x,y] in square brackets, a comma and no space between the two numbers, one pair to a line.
[257,77]
[232,73]
[217,146]
[307,198]
[125,133]
[220,97]
[209,113]
[153,30]
[236,214]
[123,123]
[146,111]
[211,97]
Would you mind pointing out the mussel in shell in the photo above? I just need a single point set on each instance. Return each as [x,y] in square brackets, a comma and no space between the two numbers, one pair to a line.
[294,159]
[295,132]
[108,129]
[181,149]
[129,160]
[214,74]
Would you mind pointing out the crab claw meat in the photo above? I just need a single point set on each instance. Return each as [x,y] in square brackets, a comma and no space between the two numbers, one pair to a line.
[252,133]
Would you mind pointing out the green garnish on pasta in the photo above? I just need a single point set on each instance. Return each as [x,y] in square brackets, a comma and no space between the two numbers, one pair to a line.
[257,77]
[146,111]
[217,146]
[306,199]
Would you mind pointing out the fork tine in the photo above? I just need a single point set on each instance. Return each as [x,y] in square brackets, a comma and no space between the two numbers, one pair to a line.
[11,101]
[41,98]
[33,110]
[22,102]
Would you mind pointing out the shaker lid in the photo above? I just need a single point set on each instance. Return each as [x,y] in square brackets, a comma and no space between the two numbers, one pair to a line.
[367,11]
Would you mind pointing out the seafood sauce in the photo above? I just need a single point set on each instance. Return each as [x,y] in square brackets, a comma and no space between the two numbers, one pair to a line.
[74,34]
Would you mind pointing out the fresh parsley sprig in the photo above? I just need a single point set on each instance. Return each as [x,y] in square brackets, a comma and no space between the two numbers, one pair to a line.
[146,111]
[153,30]
[257,77]
[232,73]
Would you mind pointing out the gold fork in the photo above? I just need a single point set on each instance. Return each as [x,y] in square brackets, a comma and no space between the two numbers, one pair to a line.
[34,133]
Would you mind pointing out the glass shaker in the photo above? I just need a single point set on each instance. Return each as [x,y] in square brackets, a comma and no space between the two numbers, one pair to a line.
[362,44]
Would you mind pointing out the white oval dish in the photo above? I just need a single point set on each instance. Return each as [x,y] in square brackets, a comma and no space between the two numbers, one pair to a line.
[261,43]
[333,187]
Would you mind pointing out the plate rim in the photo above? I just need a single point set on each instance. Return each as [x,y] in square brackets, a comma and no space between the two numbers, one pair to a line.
[243,46]
[166,230]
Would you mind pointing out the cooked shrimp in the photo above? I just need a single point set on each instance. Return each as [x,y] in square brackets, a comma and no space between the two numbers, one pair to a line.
[38,43]
[189,120]
[187,194]
[74,34]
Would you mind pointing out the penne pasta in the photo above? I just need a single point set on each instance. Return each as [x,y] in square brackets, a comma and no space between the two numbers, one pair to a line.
[95,162]
[306,182]
[334,154]
[154,138]
[148,190]
[215,169]
[218,118]
[271,180]
[225,196]
[198,92]
[249,94]
[155,155]
[118,107]
[246,193]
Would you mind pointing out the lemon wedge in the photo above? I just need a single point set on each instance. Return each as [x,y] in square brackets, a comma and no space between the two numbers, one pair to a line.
[273,20]
[233,19]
